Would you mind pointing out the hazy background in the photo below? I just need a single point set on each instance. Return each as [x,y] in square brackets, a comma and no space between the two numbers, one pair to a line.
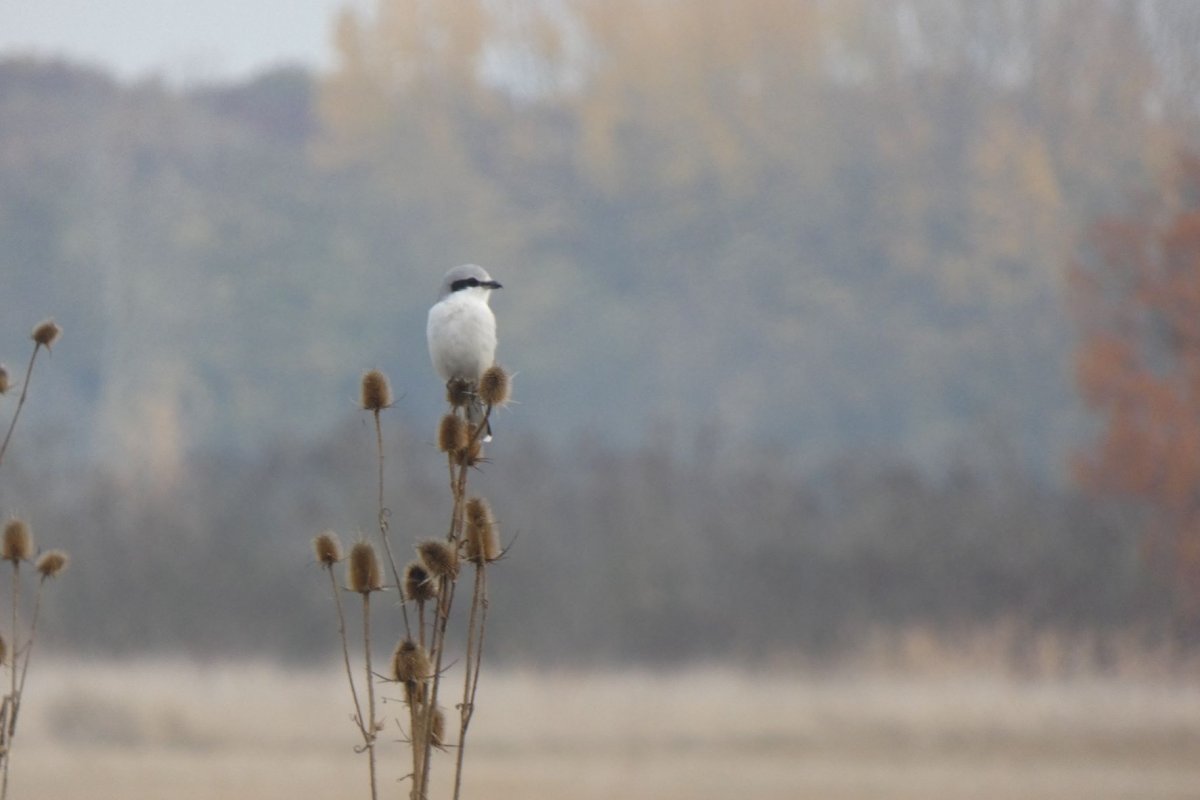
[785,292]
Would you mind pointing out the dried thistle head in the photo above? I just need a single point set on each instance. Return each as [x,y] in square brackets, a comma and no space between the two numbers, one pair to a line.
[459,393]
[328,548]
[410,662]
[376,391]
[363,570]
[494,386]
[483,544]
[452,434]
[439,558]
[52,562]
[18,541]
[46,333]
[3,379]
[419,586]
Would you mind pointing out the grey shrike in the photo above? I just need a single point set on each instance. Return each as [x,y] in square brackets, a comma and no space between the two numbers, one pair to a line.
[462,329]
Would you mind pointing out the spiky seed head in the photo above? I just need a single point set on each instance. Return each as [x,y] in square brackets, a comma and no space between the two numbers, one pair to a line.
[494,386]
[452,434]
[51,563]
[328,548]
[483,544]
[459,392]
[376,391]
[439,727]
[46,333]
[18,541]
[439,558]
[418,585]
[410,662]
[3,379]
[363,571]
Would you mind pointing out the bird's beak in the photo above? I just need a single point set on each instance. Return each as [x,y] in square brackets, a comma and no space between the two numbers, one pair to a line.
[492,284]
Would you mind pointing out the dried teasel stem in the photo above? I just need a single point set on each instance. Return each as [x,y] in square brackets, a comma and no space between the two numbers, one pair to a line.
[44,335]
[363,577]
[382,511]
[372,724]
[49,564]
[328,551]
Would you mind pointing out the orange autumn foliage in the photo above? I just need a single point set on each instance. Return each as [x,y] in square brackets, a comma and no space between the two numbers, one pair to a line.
[1136,295]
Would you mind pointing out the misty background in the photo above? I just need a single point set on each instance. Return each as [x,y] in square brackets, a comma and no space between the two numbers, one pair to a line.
[785,296]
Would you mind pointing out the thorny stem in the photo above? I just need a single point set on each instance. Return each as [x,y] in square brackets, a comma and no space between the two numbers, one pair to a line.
[13,698]
[13,424]
[383,524]
[415,736]
[372,729]
[33,624]
[445,599]
[458,487]
[337,598]
[474,660]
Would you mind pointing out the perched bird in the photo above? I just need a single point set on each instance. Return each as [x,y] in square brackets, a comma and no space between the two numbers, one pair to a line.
[462,330]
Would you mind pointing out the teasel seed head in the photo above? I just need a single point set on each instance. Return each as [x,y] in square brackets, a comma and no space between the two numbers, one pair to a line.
[327,548]
[3,379]
[376,391]
[439,727]
[46,333]
[419,586]
[51,563]
[363,571]
[410,663]
[452,434]
[459,393]
[483,544]
[494,386]
[440,558]
[18,541]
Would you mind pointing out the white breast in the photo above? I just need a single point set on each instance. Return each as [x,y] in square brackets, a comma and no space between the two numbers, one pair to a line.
[462,336]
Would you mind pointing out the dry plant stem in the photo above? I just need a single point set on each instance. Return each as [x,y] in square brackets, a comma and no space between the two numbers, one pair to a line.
[445,600]
[20,403]
[16,654]
[383,524]
[372,729]
[416,737]
[458,487]
[33,624]
[337,599]
[11,721]
[474,659]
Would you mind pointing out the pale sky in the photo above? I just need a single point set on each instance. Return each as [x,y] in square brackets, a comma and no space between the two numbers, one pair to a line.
[184,40]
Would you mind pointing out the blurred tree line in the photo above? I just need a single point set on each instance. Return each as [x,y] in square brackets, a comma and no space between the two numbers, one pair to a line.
[617,555]
[1136,294]
[825,229]
[830,224]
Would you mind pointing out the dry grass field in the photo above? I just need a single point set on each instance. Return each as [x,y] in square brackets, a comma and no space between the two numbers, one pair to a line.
[147,731]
